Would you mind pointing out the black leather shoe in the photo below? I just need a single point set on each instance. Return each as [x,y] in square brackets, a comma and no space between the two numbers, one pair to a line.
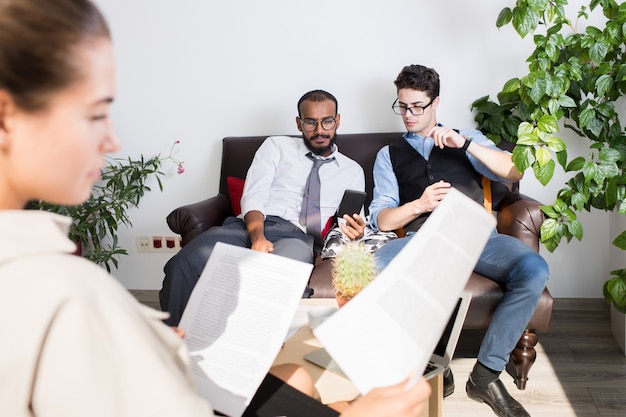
[448,382]
[496,396]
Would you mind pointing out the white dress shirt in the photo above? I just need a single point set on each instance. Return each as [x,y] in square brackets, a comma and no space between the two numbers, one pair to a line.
[278,174]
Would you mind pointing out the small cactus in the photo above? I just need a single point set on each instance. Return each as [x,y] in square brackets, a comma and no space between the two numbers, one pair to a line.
[353,268]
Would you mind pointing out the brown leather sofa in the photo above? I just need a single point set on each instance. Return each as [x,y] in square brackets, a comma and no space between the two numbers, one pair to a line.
[517,214]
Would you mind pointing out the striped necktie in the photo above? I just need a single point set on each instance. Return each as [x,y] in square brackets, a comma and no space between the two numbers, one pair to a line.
[310,213]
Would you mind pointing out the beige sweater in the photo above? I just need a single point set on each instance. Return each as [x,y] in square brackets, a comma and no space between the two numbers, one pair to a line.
[74,341]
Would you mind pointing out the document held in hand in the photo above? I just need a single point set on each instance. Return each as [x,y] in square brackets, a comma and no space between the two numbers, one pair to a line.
[390,329]
[236,320]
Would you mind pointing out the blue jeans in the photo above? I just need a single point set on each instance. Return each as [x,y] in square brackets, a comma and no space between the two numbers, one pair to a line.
[522,273]
[183,270]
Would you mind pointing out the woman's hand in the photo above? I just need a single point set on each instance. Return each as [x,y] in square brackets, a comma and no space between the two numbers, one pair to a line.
[179,332]
[394,401]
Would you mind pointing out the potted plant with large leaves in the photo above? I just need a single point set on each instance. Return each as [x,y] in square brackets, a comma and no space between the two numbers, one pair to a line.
[575,77]
[123,183]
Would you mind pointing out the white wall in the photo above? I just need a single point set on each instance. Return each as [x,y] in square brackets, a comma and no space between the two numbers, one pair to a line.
[199,70]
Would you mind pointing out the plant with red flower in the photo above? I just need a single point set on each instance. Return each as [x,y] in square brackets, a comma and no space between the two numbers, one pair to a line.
[124,182]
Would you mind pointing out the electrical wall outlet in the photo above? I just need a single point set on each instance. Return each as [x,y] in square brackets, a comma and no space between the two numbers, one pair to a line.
[158,244]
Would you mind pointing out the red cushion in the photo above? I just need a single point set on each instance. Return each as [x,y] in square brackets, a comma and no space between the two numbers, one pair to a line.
[330,223]
[235,190]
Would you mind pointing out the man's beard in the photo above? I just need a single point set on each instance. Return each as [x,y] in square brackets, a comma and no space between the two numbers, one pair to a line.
[326,150]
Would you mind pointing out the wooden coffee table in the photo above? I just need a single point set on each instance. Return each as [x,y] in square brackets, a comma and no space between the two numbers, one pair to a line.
[331,386]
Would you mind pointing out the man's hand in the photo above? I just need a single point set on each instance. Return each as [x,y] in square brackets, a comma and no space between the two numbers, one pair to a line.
[497,161]
[396,217]
[432,196]
[354,226]
[445,136]
[262,245]
[255,226]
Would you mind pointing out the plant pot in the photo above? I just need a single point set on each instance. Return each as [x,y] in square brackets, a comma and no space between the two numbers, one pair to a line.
[618,327]
[341,301]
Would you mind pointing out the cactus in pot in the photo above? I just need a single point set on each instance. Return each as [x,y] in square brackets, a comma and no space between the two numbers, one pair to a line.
[352,270]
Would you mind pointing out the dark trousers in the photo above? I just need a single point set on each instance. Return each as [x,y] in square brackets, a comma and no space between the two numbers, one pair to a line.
[276,398]
[183,270]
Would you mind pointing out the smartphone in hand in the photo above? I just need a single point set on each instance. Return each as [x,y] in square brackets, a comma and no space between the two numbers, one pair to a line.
[351,203]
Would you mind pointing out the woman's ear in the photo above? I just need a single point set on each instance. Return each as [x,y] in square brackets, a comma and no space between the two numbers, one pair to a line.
[6,109]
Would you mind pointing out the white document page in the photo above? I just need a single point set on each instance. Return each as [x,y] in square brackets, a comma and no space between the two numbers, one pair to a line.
[236,321]
[390,329]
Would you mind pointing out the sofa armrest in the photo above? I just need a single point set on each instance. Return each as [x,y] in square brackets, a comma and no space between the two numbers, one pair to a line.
[521,217]
[192,219]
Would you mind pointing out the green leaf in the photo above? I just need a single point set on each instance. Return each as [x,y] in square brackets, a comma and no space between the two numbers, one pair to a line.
[549,212]
[606,109]
[538,4]
[569,215]
[553,106]
[603,84]
[561,157]
[609,155]
[511,126]
[538,90]
[551,244]
[556,144]
[622,207]
[504,17]
[598,51]
[586,116]
[566,101]
[548,123]
[590,170]
[620,241]
[542,155]
[525,128]
[544,173]
[525,20]
[512,85]
[576,164]
[593,31]
[560,206]
[621,72]
[529,140]
[608,169]
[614,291]
[576,229]
[522,157]
[548,229]
[579,200]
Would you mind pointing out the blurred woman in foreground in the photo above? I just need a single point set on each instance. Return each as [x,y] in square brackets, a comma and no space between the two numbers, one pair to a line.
[75,343]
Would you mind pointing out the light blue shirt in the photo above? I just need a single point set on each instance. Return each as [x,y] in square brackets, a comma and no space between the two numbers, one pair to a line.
[386,190]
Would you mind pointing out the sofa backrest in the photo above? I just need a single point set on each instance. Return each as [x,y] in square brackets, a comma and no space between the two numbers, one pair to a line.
[238,152]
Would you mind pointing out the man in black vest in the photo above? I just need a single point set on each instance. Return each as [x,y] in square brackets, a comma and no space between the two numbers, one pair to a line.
[412,176]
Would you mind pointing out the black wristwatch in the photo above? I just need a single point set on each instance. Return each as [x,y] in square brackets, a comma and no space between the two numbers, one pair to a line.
[468,140]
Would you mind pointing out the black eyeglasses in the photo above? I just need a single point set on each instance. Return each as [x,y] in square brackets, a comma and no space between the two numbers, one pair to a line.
[309,125]
[401,109]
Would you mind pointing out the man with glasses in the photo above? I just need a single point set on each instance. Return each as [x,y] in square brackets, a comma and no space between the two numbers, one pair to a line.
[276,217]
[412,176]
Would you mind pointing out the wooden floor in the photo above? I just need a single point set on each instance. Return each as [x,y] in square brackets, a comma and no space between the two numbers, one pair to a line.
[580,371]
